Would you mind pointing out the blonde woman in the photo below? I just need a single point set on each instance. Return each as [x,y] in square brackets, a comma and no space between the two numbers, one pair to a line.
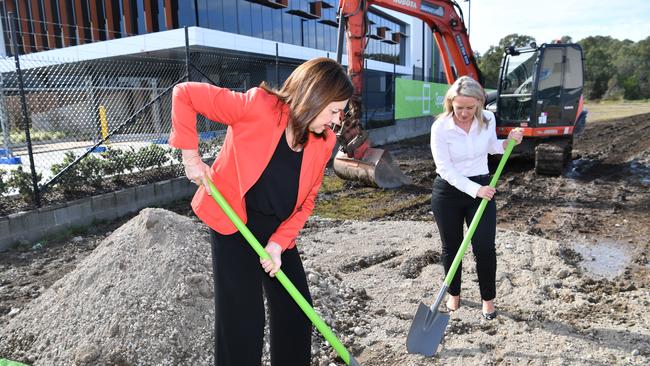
[461,139]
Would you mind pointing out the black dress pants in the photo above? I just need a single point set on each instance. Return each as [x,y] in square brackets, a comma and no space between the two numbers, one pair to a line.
[239,285]
[451,208]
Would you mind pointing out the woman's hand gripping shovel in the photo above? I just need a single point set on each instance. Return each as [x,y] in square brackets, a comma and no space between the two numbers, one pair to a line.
[428,326]
[284,280]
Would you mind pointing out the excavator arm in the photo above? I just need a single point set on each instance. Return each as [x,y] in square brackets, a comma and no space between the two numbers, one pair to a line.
[357,160]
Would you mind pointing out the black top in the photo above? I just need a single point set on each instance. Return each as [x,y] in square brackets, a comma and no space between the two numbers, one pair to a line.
[276,191]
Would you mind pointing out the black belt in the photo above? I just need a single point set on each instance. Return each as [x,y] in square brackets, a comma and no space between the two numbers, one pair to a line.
[472,177]
[480,176]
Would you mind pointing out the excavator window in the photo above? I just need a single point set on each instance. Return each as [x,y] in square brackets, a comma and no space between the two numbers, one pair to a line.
[573,82]
[550,84]
[573,77]
[515,101]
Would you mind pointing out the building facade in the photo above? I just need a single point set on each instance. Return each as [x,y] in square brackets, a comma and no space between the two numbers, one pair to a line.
[292,30]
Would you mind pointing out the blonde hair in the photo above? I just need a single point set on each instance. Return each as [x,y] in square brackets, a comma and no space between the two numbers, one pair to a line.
[467,87]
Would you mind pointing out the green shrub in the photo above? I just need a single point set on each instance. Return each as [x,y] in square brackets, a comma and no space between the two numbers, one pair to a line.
[177,155]
[18,136]
[150,156]
[118,162]
[211,147]
[68,181]
[4,187]
[22,181]
[91,169]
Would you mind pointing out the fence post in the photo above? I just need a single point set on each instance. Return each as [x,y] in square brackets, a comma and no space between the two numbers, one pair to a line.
[423,53]
[277,70]
[394,87]
[93,101]
[365,95]
[23,101]
[187,54]
[155,108]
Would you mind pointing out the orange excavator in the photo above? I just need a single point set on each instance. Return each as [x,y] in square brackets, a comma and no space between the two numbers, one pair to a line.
[356,159]
[524,98]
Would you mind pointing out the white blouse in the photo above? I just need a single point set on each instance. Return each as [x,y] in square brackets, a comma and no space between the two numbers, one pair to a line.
[459,155]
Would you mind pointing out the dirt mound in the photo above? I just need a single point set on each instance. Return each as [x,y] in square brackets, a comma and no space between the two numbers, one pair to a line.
[616,141]
[143,296]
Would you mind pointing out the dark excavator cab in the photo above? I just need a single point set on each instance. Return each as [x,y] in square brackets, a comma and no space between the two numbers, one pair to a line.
[540,90]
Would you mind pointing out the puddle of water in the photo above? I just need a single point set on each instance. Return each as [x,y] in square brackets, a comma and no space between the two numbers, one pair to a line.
[633,170]
[642,170]
[578,167]
[604,258]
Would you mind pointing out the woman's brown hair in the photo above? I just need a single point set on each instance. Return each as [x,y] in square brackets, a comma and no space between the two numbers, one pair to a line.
[310,88]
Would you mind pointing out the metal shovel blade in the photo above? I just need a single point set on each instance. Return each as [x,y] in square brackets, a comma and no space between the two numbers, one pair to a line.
[427,329]
[353,362]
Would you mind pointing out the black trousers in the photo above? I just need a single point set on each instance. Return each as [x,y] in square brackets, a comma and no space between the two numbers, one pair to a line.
[451,208]
[239,285]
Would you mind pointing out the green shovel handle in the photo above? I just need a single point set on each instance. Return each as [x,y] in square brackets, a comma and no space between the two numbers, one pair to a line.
[284,280]
[477,216]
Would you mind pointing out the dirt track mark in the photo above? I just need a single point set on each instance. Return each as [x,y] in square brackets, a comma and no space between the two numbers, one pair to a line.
[412,267]
[368,261]
[457,326]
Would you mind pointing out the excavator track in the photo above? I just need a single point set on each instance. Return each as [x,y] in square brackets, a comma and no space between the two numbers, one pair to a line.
[551,158]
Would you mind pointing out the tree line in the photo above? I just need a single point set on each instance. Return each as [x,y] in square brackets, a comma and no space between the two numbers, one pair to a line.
[614,69]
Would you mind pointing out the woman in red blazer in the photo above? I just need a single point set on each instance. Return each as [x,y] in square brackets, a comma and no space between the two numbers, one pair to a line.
[269,169]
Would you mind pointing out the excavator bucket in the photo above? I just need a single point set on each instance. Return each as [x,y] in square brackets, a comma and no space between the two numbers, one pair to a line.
[357,161]
[376,168]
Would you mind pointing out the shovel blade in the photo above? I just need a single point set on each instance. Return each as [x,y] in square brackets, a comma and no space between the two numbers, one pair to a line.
[427,329]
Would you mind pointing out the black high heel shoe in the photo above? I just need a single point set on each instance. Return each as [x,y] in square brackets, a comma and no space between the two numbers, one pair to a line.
[490,316]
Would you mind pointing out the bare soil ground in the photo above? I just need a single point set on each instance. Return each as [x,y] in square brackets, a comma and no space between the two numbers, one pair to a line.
[573,273]
[602,197]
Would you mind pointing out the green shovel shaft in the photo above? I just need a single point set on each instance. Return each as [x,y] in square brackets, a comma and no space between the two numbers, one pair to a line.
[477,216]
[284,280]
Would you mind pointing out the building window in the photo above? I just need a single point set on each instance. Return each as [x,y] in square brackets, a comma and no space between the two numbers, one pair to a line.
[245,14]
[230,16]
[186,13]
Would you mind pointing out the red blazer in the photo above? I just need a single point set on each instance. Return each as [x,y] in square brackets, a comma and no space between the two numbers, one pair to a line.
[255,124]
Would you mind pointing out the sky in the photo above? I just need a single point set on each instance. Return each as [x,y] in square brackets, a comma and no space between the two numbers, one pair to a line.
[545,20]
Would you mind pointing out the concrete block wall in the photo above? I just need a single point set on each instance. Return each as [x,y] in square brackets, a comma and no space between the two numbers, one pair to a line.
[39,224]
[402,129]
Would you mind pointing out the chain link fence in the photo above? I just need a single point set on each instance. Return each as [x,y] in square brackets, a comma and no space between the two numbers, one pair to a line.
[102,125]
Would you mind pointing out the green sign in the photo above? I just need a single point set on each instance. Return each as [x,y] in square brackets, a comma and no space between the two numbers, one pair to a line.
[414,98]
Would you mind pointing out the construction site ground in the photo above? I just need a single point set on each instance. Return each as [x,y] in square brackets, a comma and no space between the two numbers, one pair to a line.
[573,276]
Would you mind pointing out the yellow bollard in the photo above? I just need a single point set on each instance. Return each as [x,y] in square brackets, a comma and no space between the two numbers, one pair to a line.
[104,122]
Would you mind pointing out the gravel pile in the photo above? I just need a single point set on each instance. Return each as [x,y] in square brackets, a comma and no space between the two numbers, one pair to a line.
[144,296]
